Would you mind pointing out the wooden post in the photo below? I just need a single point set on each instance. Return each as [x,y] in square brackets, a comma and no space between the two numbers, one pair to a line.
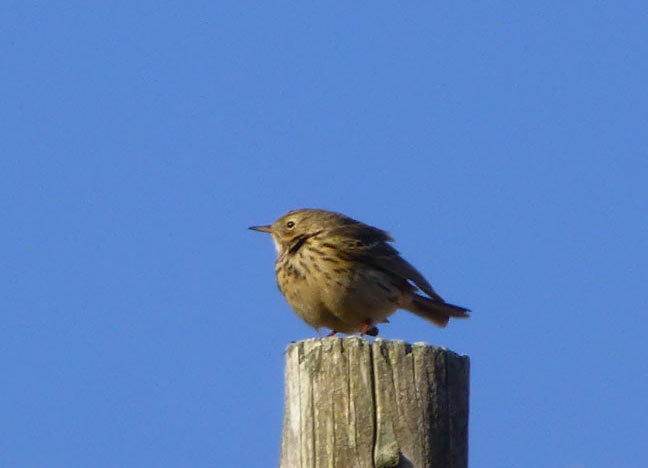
[350,403]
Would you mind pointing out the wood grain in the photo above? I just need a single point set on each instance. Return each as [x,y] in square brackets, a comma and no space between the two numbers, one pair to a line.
[352,403]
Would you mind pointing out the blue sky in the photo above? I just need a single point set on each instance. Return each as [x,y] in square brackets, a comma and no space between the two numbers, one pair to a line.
[503,144]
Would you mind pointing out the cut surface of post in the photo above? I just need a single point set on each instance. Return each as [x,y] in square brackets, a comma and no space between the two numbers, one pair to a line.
[386,404]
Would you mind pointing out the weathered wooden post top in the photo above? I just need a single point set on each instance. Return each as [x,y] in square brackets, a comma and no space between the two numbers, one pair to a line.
[382,404]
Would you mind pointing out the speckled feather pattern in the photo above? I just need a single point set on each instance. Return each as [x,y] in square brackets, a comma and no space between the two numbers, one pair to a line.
[339,273]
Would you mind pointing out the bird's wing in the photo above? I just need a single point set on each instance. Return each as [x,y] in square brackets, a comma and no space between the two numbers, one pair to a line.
[369,244]
[386,257]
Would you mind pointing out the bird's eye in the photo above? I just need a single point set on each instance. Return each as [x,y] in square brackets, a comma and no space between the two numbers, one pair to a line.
[290,224]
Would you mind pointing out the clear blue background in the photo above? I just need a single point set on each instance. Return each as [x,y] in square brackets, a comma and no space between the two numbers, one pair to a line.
[504,145]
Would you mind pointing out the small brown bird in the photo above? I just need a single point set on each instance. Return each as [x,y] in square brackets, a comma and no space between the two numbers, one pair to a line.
[339,273]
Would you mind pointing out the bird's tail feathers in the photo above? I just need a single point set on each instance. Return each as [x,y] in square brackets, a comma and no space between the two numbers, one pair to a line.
[436,312]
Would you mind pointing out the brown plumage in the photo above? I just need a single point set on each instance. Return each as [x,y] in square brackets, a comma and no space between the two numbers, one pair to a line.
[339,273]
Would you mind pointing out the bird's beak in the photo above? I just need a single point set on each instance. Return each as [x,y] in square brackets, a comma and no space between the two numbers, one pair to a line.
[267,228]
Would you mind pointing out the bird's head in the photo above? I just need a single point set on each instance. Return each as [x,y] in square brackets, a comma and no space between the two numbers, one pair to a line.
[294,228]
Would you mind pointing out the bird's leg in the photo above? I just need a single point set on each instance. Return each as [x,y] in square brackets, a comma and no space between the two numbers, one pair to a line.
[333,332]
[368,329]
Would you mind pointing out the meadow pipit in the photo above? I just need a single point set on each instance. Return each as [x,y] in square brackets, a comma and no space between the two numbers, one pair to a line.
[339,273]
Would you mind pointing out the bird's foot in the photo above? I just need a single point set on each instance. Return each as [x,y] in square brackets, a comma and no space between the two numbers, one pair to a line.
[368,329]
